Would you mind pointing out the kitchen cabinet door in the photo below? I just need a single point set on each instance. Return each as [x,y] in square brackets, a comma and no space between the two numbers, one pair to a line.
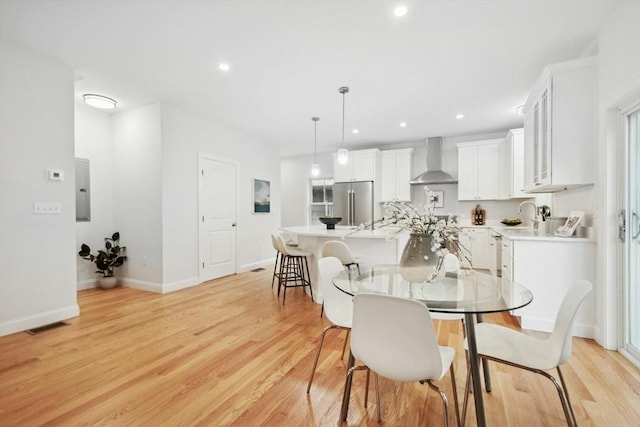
[512,181]
[479,170]
[559,124]
[362,166]
[476,240]
[396,174]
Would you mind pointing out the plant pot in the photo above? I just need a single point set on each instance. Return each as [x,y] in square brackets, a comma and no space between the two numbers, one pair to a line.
[107,282]
[418,263]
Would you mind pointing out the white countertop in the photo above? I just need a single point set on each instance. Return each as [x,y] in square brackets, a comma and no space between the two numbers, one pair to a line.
[523,232]
[340,231]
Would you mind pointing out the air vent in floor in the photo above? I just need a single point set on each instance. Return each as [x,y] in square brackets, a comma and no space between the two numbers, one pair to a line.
[44,328]
[255,270]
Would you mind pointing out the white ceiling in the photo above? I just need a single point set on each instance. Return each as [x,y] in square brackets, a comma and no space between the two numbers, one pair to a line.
[288,59]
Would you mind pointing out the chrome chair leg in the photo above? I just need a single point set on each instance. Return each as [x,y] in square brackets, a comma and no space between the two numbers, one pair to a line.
[344,346]
[445,402]
[455,395]
[345,403]
[378,399]
[315,363]
[566,393]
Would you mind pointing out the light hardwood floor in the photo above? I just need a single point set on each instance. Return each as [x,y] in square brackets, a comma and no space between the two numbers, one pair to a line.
[228,353]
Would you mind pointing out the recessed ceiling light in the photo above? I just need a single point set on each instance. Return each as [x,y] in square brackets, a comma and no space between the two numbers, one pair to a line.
[459,116]
[403,124]
[224,66]
[519,109]
[99,101]
[355,131]
[400,11]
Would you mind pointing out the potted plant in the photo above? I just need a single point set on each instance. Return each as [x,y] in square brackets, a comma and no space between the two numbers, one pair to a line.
[106,260]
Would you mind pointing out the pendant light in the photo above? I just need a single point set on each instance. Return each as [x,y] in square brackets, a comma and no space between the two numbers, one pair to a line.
[315,167]
[343,153]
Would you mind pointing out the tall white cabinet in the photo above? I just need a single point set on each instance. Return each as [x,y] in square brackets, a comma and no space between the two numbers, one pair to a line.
[479,170]
[396,174]
[512,162]
[559,127]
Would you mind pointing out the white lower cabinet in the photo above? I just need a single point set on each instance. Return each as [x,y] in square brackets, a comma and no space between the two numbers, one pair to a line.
[476,241]
[548,269]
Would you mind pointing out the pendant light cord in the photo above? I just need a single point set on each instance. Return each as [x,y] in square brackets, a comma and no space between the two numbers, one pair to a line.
[315,140]
[343,93]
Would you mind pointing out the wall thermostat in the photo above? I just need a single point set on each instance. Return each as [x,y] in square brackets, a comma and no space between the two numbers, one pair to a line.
[55,174]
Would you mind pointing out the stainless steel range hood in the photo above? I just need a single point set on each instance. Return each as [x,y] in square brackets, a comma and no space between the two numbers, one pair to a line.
[434,173]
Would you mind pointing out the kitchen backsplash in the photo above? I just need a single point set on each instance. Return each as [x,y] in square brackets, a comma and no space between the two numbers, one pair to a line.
[495,209]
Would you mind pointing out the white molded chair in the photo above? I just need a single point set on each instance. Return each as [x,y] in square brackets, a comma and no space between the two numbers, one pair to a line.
[395,338]
[513,348]
[338,305]
[340,250]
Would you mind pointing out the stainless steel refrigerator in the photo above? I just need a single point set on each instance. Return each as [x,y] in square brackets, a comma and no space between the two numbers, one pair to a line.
[353,202]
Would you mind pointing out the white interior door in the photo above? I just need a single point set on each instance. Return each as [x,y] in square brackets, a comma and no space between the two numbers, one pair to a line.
[217,218]
[631,241]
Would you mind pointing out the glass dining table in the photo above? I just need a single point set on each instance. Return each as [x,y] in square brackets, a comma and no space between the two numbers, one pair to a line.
[467,292]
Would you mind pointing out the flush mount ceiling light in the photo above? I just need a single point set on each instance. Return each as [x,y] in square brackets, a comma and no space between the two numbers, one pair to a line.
[519,109]
[315,167]
[343,153]
[400,11]
[355,131]
[403,124]
[99,101]
[459,116]
[224,66]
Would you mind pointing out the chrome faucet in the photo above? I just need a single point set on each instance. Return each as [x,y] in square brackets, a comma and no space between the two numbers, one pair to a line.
[535,219]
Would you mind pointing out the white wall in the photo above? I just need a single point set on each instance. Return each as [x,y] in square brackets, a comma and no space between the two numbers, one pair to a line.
[618,83]
[137,194]
[94,141]
[37,252]
[184,135]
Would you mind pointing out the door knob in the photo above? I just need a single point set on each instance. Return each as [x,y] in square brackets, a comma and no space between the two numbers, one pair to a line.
[233,225]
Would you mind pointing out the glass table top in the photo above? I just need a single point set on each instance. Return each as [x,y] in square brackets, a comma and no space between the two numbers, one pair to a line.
[466,292]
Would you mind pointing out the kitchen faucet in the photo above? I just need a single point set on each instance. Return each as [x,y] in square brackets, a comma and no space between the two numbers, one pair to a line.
[535,219]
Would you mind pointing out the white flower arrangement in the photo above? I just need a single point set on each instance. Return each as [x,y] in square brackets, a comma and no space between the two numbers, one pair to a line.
[406,217]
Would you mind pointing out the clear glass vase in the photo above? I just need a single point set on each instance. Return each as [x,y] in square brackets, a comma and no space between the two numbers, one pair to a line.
[419,263]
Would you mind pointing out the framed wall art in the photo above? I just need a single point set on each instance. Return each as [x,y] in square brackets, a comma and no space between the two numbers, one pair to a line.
[261,196]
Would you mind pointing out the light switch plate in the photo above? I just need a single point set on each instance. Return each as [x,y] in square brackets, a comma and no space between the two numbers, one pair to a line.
[47,208]
[55,175]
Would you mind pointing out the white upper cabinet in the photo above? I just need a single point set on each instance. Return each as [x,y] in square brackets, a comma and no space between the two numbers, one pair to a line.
[396,174]
[362,166]
[479,170]
[512,154]
[559,127]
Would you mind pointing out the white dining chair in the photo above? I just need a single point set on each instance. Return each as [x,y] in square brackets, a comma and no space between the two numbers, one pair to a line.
[340,250]
[338,305]
[513,348]
[395,338]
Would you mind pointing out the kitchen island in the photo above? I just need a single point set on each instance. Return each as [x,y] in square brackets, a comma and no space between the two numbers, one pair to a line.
[378,246]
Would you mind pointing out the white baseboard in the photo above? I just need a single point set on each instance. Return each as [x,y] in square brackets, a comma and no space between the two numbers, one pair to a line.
[87,284]
[545,325]
[248,267]
[39,319]
[160,288]
[180,284]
